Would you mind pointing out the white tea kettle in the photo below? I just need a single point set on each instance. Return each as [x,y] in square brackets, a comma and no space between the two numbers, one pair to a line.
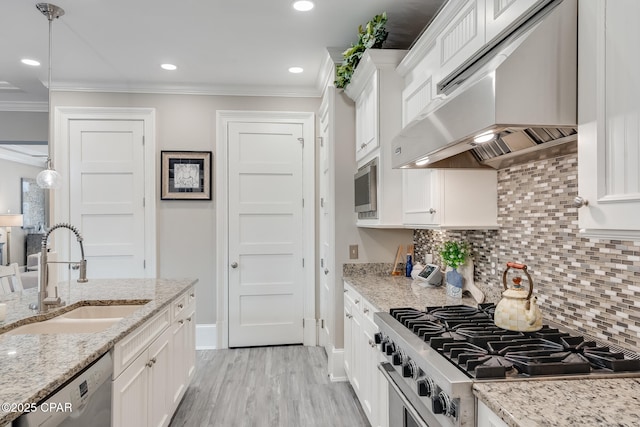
[517,310]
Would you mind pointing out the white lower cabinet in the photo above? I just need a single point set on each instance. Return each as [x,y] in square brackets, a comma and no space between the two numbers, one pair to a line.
[362,358]
[154,365]
[487,418]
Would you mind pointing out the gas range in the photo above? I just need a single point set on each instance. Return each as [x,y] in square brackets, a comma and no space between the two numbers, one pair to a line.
[435,355]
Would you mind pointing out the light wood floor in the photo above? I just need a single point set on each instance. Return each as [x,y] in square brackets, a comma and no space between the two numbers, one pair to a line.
[283,386]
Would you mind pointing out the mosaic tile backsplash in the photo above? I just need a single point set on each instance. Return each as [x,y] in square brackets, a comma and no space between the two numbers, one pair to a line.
[589,285]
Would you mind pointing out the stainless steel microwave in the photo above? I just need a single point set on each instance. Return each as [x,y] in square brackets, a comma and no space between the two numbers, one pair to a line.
[366,190]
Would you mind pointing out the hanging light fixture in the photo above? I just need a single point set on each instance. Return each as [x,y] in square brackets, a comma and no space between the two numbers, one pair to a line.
[49,178]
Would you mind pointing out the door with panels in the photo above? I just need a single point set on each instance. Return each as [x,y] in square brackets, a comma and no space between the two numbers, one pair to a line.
[107,195]
[265,235]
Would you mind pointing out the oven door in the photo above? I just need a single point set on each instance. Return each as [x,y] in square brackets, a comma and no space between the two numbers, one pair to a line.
[402,411]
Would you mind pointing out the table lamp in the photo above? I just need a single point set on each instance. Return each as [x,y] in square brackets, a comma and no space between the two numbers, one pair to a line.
[8,221]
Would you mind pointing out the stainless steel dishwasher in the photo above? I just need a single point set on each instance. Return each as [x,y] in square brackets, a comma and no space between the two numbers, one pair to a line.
[83,401]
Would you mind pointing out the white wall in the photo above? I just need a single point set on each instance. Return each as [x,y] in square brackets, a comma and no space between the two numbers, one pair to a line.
[10,200]
[23,126]
[187,122]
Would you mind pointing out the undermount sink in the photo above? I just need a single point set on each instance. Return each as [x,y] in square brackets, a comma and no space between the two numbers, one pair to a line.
[85,319]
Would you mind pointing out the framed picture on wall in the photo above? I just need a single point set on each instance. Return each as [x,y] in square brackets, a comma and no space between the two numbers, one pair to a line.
[185,175]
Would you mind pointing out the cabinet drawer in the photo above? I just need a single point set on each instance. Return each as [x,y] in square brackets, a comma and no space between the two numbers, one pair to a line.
[126,350]
[179,305]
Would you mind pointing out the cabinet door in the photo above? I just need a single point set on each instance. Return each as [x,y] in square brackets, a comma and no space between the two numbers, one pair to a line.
[190,346]
[501,14]
[462,37]
[609,118]
[487,418]
[357,350]
[369,400]
[367,118]
[179,373]
[420,204]
[160,380]
[348,352]
[130,394]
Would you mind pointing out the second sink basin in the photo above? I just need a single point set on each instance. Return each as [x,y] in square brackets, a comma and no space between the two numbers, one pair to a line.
[82,320]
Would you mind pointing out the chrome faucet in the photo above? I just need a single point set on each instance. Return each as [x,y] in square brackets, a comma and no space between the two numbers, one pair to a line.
[45,301]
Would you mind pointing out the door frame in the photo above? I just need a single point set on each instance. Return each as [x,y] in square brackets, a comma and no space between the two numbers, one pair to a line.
[307,119]
[60,199]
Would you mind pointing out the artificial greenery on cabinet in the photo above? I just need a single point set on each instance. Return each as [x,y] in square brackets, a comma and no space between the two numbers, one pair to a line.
[373,35]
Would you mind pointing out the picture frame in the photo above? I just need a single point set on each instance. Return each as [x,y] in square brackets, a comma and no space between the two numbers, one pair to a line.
[185,175]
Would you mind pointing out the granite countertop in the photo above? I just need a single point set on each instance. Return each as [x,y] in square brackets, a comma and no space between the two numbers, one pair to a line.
[385,291]
[33,366]
[602,402]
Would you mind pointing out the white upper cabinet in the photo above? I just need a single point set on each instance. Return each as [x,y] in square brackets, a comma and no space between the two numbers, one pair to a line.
[375,88]
[500,14]
[609,119]
[367,118]
[462,37]
[450,198]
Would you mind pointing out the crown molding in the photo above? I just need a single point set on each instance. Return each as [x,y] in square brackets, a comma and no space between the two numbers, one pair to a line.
[226,90]
[32,107]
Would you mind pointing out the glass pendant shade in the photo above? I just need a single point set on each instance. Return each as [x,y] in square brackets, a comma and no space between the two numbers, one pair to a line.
[49,179]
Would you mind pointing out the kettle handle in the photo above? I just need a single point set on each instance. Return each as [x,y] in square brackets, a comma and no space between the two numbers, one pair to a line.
[518,266]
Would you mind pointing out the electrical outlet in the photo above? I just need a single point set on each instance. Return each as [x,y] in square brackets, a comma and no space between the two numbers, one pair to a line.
[353,251]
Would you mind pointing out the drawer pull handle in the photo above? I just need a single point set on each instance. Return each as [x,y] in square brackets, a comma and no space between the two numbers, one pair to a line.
[357,301]
[192,295]
[366,310]
[149,364]
[181,321]
[189,318]
[180,305]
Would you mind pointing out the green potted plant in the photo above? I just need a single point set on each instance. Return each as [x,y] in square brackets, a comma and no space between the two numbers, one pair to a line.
[373,35]
[454,254]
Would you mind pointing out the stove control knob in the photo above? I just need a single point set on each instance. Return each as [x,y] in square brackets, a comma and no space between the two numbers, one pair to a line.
[398,358]
[410,369]
[426,387]
[442,404]
[377,337]
[391,348]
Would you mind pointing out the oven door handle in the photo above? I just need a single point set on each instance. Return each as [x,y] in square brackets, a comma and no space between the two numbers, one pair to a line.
[407,405]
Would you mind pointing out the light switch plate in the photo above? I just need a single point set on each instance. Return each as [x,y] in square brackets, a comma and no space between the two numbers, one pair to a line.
[353,251]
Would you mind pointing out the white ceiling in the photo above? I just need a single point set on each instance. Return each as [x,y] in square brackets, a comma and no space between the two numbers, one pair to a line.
[241,47]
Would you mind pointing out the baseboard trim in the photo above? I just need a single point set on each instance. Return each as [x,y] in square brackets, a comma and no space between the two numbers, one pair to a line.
[336,365]
[206,337]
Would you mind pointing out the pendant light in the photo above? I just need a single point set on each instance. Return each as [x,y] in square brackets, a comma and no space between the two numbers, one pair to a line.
[49,178]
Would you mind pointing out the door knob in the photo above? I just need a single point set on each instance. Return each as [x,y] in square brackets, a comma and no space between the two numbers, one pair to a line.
[432,211]
[234,265]
[579,202]
[326,271]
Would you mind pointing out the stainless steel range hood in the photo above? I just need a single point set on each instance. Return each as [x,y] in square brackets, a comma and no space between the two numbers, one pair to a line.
[523,89]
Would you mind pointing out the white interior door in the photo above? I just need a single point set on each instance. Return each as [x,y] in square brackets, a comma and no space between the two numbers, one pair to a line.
[106,198]
[265,235]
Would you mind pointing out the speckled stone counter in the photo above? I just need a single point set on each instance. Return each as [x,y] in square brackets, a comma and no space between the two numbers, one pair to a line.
[598,402]
[33,366]
[385,291]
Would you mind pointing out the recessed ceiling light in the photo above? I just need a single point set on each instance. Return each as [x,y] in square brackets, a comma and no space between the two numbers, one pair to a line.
[303,5]
[32,62]
[484,137]
[296,70]
[168,67]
